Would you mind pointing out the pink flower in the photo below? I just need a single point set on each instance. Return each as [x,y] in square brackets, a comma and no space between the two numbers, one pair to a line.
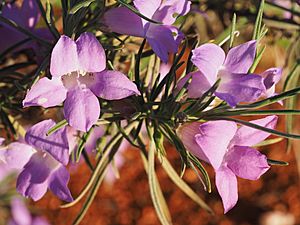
[229,150]
[78,77]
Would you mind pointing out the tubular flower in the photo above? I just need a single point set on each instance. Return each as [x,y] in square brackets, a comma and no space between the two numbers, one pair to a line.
[45,167]
[230,156]
[163,38]
[235,84]
[78,76]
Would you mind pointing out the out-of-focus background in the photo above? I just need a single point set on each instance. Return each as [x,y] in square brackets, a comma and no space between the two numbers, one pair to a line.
[272,200]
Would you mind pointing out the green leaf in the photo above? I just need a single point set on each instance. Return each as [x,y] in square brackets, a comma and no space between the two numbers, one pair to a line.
[196,106]
[39,70]
[225,35]
[13,68]
[6,122]
[102,163]
[56,127]
[237,112]
[268,142]
[82,143]
[290,77]
[175,140]
[258,22]
[137,80]
[183,89]
[83,4]
[17,126]
[171,76]
[183,185]
[257,59]
[273,162]
[99,176]
[194,160]
[232,30]
[48,18]
[89,199]
[155,191]
[281,24]
[291,81]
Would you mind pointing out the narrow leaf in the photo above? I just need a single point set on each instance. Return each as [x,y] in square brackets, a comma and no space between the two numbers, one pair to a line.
[56,127]
[155,192]
[182,185]
[80,5]
[273,162]
[233,25]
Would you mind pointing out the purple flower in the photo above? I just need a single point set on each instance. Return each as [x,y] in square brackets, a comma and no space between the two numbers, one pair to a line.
[25,16]
[271,78]
[45,168]
[21,215]
[163,38]
[230,153]
[78,76]
[16,155]
[235,85]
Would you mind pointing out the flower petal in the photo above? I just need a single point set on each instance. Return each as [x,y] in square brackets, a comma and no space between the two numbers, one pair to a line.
[55,144]
[81,109]
[64,57]
[247,136]
[236,88]
[271,78]
[198,86]
[211,131]
[39,221]
[59,184]
[162,41]
[169,9]
[123,21]
[91,54]
[246,162]
[16,155]
[146,7]
[19,211]
[113,85]
[41,93]
[187,135]
[178,35]
[209,58]
[26,16]
[33,180]
[30,13]
[240,58]
[226,183]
